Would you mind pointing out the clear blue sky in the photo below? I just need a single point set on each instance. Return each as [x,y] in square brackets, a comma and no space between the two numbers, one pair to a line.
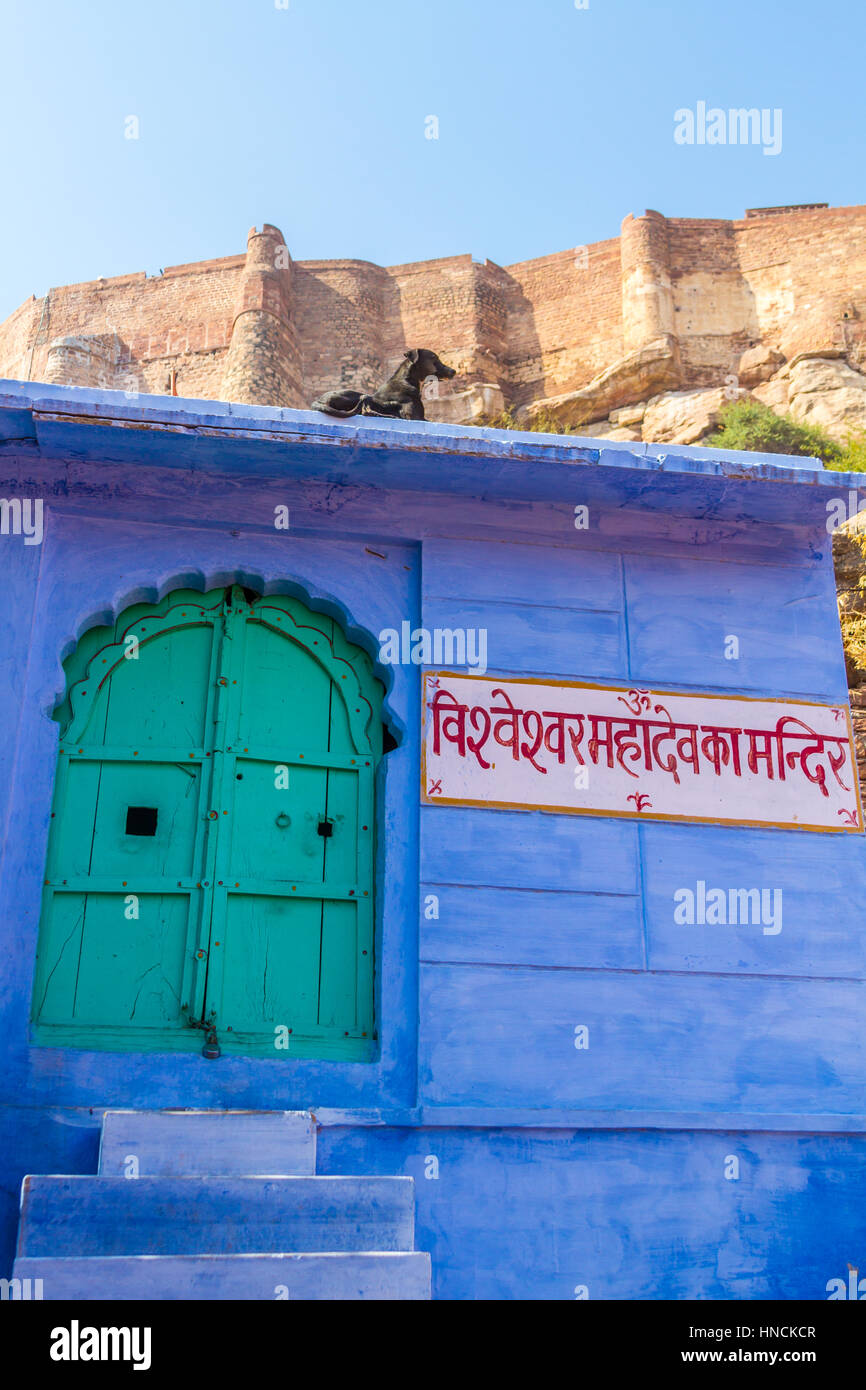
[554,122]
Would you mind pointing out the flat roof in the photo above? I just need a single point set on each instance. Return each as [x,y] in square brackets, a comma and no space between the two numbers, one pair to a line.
[111,427]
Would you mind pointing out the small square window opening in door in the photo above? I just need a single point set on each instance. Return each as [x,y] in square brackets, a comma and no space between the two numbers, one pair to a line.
[141,820]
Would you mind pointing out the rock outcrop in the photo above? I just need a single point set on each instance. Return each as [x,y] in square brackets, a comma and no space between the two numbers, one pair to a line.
[828,392]
[684,417]
[815,388]
[649,369]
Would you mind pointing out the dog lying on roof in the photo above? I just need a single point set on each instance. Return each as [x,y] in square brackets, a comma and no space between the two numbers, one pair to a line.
[399,398]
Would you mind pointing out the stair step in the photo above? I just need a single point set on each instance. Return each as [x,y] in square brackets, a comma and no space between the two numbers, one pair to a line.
[214,1215]
[222,1143]
[371,1275]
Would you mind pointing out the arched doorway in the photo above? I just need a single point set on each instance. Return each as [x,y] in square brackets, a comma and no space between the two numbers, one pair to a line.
[211,856]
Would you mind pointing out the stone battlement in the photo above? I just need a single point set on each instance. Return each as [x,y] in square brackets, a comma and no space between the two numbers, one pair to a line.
[669,308]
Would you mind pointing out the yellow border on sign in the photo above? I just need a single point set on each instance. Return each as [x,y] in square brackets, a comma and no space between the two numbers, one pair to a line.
[637,815]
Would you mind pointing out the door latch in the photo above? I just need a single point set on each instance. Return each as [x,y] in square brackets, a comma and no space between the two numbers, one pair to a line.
[325,827]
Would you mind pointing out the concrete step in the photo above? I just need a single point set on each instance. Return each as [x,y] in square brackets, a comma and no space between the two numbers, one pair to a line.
[63,1216]
[335,1277]
[224,1143]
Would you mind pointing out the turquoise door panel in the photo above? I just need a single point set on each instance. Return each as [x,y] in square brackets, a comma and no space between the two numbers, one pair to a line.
[272,832]
[302,733]
[160,696]
[58,957]
[142,956]
[211,853]
[271,966]
[71,846]
[285,692]
[138,946]
[159,846]
[341,805]
[341,949]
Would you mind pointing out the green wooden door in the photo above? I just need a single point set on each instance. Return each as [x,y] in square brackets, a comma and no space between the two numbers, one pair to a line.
[211,852]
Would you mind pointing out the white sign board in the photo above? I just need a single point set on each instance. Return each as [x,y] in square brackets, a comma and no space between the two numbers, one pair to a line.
[656,755]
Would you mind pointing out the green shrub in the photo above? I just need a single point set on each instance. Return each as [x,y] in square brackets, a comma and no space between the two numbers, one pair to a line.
[754,427]
[853,456]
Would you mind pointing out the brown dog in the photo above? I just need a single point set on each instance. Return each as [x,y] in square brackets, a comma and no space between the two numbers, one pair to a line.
[400,397]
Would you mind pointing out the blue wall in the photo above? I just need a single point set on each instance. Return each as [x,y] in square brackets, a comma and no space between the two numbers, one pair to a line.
[557,1167]
[538,1213]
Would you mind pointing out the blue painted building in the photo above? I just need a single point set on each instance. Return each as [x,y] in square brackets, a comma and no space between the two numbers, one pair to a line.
[596,1094]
